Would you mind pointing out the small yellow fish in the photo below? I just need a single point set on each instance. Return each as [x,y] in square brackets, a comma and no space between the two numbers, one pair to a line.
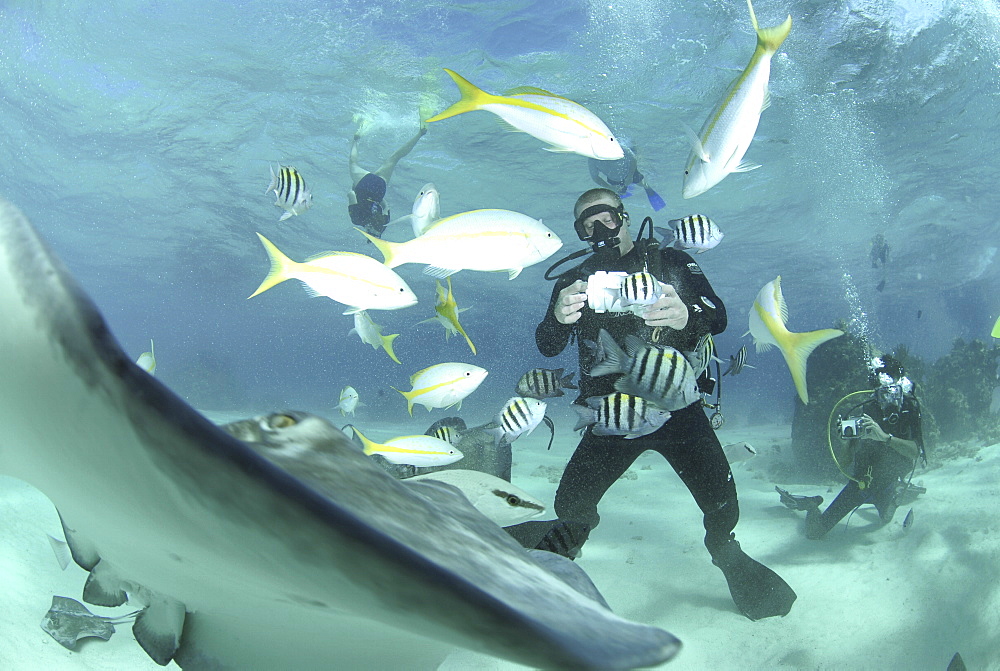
[443,385]
[767,325]
[447,314]
[996,329]
[413,450]
[564,125]
[348,400]
[147,360]
[371,334]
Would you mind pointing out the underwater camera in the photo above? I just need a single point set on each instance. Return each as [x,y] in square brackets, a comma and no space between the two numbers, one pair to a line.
[851,428]
[621,292]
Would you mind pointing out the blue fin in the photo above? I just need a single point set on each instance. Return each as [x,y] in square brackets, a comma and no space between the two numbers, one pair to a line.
[654,200]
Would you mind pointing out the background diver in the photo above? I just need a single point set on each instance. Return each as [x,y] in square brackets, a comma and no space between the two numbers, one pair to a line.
[889,440]
[620,175]
[366,199]
[687,310]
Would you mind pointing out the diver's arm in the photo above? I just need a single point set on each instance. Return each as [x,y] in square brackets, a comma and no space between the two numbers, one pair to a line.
[706,312]
[907,448]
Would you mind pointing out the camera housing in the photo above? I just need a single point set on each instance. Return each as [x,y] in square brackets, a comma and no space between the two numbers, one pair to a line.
[606,293]
[851,428]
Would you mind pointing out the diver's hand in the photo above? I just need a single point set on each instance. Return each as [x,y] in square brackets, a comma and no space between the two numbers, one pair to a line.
[570,302]
[872,430]
[668,311]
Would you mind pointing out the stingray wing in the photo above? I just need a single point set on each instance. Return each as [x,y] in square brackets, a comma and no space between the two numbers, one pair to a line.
[270,572]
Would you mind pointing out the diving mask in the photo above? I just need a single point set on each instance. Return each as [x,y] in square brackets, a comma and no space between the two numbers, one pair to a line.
[602,237]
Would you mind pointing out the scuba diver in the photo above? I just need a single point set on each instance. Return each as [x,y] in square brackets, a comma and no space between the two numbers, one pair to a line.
[620,174]
[686,311]
[366,199]
[884,438]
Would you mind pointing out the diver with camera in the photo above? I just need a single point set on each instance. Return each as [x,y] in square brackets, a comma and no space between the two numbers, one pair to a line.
[636,289]
[883,439]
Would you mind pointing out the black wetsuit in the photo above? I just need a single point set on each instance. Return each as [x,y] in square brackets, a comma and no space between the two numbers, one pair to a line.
[686,441]
[877,461]
[367,212]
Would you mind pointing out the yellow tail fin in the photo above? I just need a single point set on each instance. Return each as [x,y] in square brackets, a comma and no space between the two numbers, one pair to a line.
[387,346]
[472,98]
[770,39]
[796,348]
[386,248]
[995,333]
[370,445]
[409,399]
[281,265]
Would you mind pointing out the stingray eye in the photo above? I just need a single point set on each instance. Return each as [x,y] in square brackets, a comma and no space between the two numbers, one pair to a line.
[513,500]
[282,421]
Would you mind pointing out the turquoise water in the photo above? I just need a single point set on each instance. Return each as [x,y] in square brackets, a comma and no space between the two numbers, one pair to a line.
[137,136]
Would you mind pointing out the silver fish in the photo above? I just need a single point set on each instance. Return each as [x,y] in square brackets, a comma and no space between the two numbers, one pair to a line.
[695,231]
[908,520]
[660,375]
[518,417]
[737,452]
[544,383]
[290,191]
[620,414]
[157,500]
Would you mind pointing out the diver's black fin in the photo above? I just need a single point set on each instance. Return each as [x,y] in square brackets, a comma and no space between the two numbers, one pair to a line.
[757,591]
[956,664]
[794,502]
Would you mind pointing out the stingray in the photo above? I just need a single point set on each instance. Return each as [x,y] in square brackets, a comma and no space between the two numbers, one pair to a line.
[69,620]
[236,563]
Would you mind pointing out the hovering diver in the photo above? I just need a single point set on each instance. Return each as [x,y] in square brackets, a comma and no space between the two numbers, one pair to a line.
[880,251]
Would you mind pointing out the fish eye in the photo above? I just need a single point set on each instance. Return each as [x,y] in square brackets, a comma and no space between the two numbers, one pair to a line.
[686,172]
[282,421]
[513,500]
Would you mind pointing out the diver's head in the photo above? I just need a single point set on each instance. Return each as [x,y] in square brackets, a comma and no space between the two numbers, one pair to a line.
[601,220]
[889,380]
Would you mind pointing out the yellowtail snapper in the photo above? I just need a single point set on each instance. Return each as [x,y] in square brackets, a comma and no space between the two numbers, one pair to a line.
[660,375]
[545,383]
[290,191]
[620,414]
[695,231]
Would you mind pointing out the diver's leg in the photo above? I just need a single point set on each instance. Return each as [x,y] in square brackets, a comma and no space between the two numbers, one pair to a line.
[693,450]
[595,465]
[357,172]
[819,524]
[385,170]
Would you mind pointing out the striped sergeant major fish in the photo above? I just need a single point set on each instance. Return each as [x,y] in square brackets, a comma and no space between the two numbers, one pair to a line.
[544,383]
[660,375]
[290,191]
[695,231]
[738,363]
[620,414]
[518,417]
[640,288]
[448,434]
[702,355]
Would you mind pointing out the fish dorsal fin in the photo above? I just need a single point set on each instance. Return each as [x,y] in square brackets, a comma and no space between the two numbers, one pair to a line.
[322,255]
[779,301]
[530,90]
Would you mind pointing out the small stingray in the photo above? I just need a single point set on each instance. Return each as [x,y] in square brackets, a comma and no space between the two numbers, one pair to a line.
[68,621]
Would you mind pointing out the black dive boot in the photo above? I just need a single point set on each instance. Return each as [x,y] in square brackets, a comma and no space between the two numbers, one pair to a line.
[757,591]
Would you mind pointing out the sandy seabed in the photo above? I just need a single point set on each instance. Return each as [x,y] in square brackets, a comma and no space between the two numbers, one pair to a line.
[869,596]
